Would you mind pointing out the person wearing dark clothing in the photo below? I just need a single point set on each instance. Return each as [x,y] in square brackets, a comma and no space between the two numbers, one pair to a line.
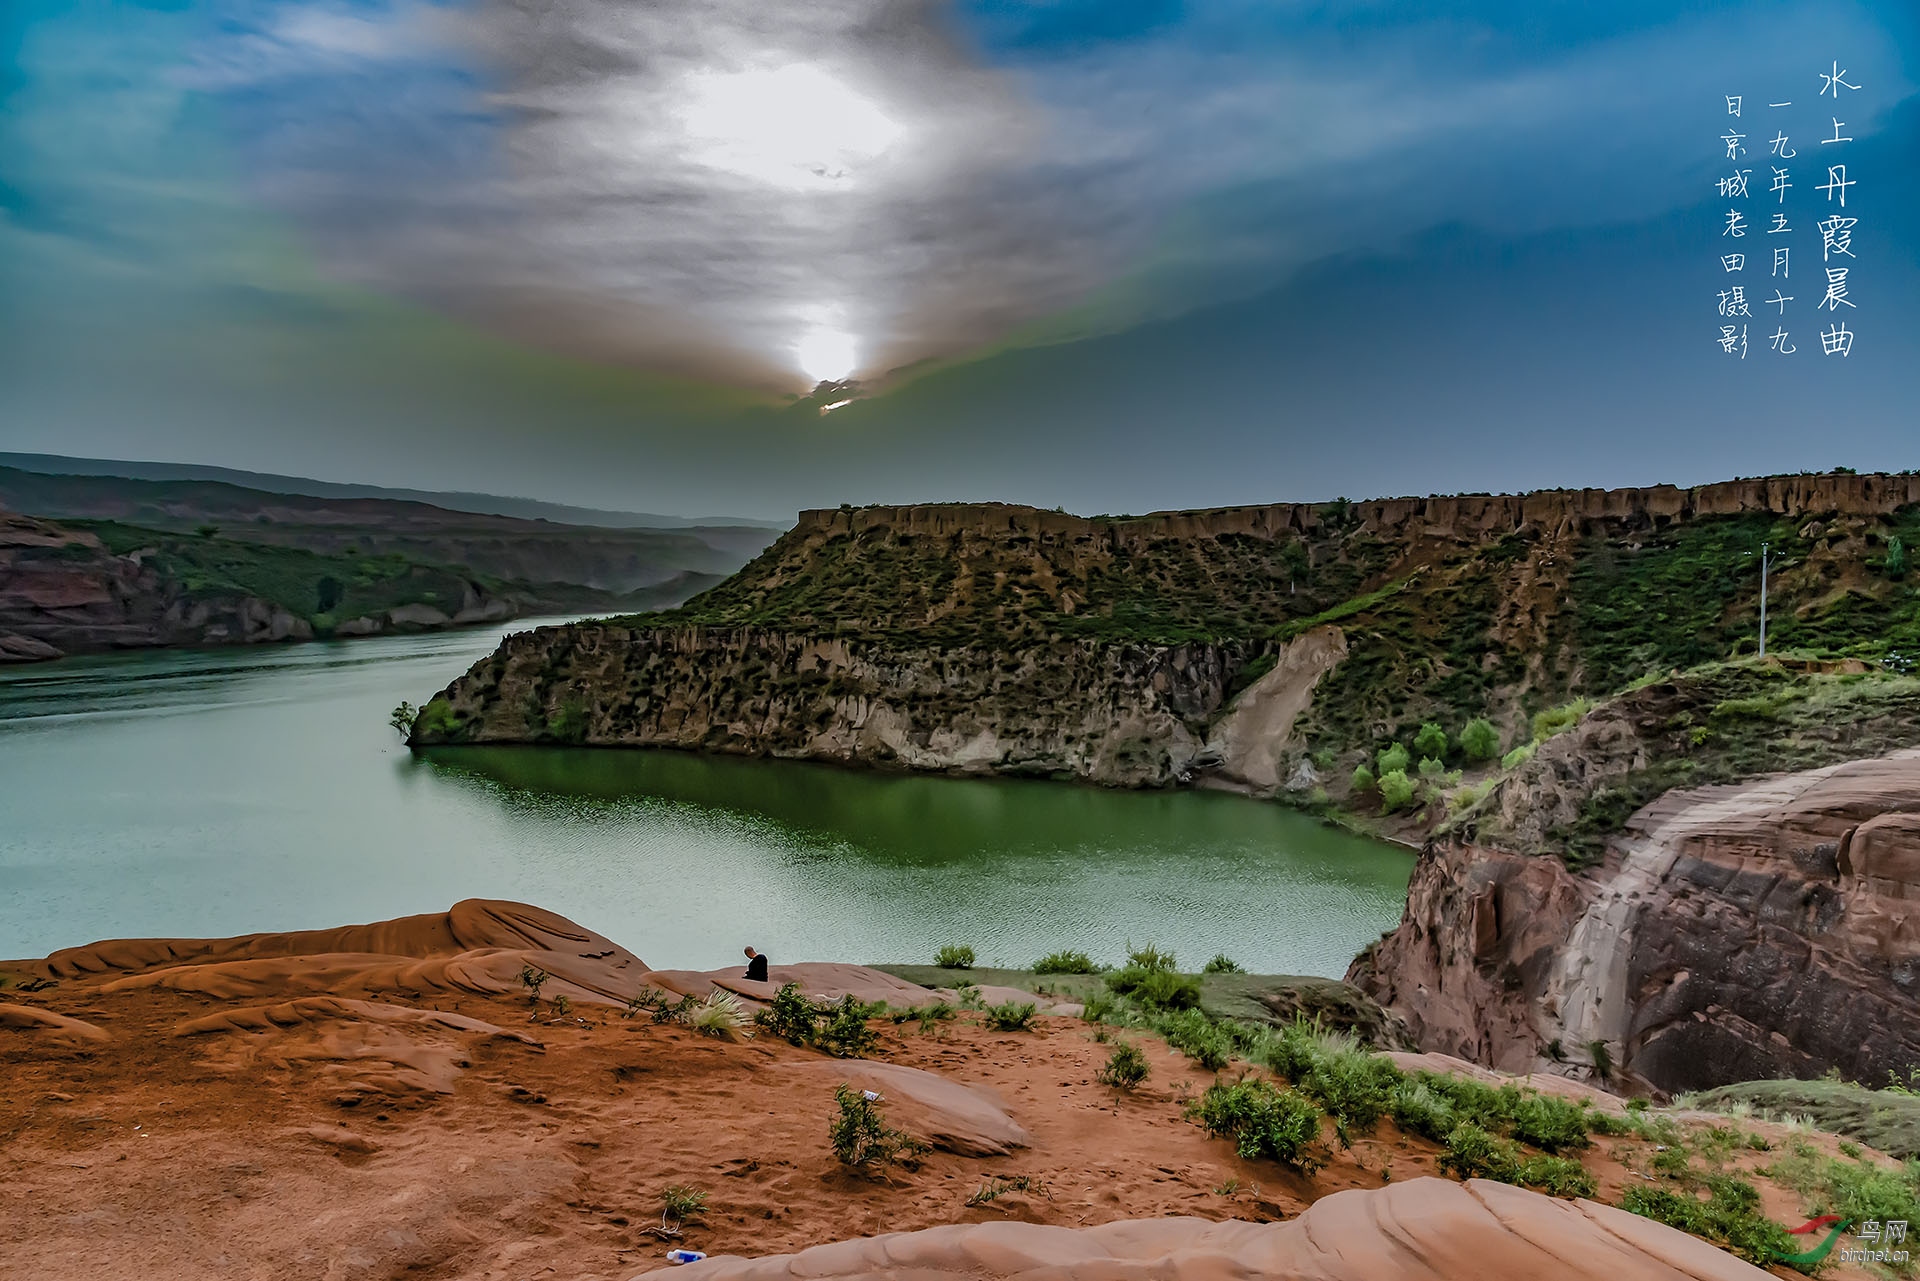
[756,966]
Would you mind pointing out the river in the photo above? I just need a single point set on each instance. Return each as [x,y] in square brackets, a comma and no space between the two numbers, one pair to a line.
[214,792]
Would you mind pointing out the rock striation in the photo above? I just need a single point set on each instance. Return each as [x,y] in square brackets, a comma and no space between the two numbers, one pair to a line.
[1765,929]
[1420,1230]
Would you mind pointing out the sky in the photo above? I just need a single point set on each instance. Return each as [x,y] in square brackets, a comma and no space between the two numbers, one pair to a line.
[752,256]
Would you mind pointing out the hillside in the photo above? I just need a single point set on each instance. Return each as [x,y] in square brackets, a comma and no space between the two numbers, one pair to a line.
[99,585]
[505,547]
[1347,625]
[459,501]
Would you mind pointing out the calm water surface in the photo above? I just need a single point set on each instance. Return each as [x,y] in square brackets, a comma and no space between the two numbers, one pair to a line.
[185,793]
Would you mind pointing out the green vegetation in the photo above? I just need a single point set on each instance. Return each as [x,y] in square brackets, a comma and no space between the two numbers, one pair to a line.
[1222,964]
[680,1203]
[1011,1016]
[1363,779]
[1887,1119]
[997,1187]
[1396,791]
[1896,561]
[1431,742]
[1480,741]
[1852,1188]
[1730,721]
[308,585]
[1126,1068]
[1262,1121]
[955,958]
[1156,989]
[1393,759]
[860,1137]
[845,1034]
[1065,963]
[1730,1217]
[791,1015]
[403,718]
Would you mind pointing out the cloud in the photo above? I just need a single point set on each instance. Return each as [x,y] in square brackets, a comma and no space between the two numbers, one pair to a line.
[760,193]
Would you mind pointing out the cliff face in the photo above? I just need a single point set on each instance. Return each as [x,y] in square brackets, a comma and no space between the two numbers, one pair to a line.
[62,592]
[1764,929]
[1120,715]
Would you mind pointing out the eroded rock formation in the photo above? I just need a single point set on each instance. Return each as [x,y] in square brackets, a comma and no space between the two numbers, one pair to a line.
[1765,929]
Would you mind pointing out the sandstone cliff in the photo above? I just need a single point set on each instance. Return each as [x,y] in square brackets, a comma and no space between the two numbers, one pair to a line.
[1769,928]
[1122,715]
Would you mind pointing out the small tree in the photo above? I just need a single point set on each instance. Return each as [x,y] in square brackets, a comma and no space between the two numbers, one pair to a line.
[403,718]
[1896,557]
[1396,790]
[1480,740]
[1431,741]
[1394,757]
[1363,779]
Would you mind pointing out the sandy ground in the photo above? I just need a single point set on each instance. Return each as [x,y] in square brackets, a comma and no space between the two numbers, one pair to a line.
[202,1138]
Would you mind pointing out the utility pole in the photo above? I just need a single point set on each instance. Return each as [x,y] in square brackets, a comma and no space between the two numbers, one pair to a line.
[1763,600]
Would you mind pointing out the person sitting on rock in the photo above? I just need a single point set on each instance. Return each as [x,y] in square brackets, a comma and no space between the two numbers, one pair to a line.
[756,966]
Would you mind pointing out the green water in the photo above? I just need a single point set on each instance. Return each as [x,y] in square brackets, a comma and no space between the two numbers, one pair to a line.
[221,792]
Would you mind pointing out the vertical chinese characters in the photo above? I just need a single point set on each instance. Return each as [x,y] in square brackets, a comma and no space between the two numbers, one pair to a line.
[1830,186]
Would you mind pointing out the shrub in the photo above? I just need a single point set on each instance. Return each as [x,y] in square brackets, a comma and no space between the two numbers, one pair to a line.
[1557,1176]
[1480,741]
[532,978]
[1156,989]
[1431,768]
[1354,1087]
[1126,1068]
[1431,741]
[1896,557]
[1363,779]
[1550,1124]
[1150,958]
[1065,963]
[1396,790]
[860,1137]
[1262,1122]
[846,1034]
[721,1015]
[997,1187]
[959,957]
[1222,964]
[1012,1016]
[680,1203]
[1518,756]
[931,1016]
[1418,1110]
[791,1015]
[1196,1036]
[403,718]
[1391,758]
[1473,1153]
[569,721]
[1558,719]
[1729,1217]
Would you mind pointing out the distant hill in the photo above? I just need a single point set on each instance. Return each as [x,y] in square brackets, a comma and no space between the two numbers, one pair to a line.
[611,558]
[485,504]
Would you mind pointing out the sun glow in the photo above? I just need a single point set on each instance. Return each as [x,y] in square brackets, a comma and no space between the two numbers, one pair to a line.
[826,355]
[795,126]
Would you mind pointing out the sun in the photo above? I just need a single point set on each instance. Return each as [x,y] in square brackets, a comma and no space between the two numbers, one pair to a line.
[826,355]
[796,127]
